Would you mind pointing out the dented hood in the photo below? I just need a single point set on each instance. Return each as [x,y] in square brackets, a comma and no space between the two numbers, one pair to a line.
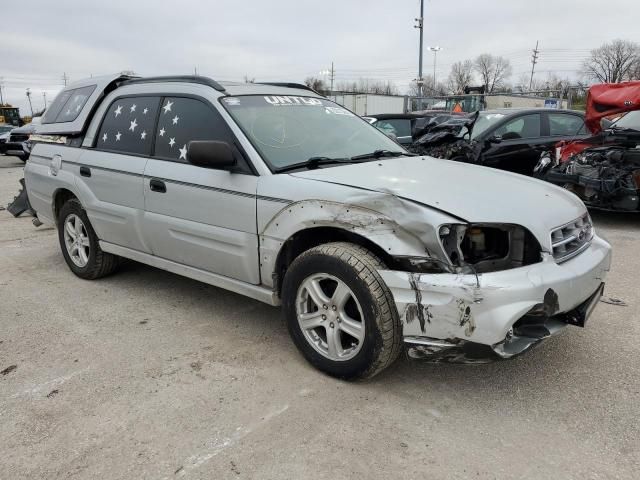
[473,193]
[608,99]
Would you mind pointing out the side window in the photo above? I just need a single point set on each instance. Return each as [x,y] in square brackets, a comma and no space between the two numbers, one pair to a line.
[128,125]
[67,105]
[399,127]
[566,125]
[526,126]
[183,120]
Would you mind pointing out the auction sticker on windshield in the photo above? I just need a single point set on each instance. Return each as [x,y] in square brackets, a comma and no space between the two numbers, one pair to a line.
[289,101]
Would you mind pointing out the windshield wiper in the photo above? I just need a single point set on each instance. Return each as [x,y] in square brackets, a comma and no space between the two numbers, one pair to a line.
[313,163]
[382,153]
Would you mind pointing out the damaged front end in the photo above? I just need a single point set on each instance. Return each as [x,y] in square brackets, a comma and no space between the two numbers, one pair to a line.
[501,294]
[448,140]
[604,177]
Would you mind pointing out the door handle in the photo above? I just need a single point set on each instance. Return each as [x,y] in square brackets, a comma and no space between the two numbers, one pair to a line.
[85,171]
[157,186]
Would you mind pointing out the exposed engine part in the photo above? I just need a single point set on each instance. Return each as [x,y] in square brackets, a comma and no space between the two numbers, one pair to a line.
[605,177]
[489,248]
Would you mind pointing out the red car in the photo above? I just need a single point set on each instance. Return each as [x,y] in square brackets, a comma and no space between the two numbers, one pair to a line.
[603,170]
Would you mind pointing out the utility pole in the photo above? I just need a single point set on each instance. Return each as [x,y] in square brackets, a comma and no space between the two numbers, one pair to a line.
[420,25]
[534,60]
[1,87]
[44,96]
[332,75]
[65,78]
[29,97]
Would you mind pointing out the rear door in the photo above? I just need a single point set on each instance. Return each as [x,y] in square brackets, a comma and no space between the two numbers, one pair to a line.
[109,176]
[566,126]
[198,216]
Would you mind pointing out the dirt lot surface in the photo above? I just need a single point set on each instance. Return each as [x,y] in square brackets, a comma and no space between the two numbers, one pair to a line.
[146,374]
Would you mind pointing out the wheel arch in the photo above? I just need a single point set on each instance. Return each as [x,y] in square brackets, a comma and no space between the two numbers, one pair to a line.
[310,223]
[60,197]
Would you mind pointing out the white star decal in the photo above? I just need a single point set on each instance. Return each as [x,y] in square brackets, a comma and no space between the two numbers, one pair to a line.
[133,126]
[167,107]
[118,110]
[118,135]
[133,108]
[144,112]
[172,142]
[104,137]
[175,120]
[162,132]
[183,152]
[143,135]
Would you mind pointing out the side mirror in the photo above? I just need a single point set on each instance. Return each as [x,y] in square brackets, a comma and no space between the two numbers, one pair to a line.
[495,139]
[210,154]
[605,123]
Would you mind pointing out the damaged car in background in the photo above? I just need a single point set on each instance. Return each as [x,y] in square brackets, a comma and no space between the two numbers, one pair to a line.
[603,170]
[367,248]
[510,139]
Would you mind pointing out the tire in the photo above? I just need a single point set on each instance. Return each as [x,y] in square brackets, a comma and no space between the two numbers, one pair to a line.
[369,305]
[94,263]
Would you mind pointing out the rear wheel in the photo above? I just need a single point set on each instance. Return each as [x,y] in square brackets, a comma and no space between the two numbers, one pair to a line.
[79,244]
[339,312]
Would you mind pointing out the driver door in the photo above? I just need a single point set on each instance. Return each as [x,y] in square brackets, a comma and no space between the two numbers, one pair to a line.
[520,147]
[198,216]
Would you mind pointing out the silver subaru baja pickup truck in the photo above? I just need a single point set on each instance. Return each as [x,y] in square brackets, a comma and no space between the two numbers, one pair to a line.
[276,193]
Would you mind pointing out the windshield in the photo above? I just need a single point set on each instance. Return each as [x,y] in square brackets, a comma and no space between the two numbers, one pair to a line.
[484,122]
[287,130]
[630,120]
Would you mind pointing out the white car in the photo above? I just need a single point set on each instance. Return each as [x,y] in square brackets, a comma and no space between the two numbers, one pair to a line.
[281,195]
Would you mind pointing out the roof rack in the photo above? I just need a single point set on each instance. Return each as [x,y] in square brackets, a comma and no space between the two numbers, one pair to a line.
[300,86]
[179,78]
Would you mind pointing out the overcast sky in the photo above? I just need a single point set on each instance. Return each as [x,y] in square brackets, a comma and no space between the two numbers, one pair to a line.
[291,40]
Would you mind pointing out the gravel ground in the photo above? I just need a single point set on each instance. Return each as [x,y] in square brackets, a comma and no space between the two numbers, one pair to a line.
[146,374]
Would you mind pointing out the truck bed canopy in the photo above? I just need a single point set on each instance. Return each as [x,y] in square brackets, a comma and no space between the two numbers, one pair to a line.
[71,110]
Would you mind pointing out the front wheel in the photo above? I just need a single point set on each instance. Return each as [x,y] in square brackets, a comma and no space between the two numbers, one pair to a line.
[340,313]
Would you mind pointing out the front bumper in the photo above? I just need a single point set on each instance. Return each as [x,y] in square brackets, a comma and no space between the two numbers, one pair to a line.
[17,149]
[449,308]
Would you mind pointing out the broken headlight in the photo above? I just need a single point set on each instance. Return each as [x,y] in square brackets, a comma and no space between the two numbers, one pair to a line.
[489,247]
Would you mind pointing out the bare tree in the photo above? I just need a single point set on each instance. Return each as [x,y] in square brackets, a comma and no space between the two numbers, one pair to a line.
[613,62]
[493,71]
[367,85]
[429,89]
[461,76]
[316,84]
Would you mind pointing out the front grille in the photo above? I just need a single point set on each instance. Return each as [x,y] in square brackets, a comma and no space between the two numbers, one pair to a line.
[571,239]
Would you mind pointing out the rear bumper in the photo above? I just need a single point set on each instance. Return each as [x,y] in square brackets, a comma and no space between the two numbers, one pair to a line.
[488,308]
